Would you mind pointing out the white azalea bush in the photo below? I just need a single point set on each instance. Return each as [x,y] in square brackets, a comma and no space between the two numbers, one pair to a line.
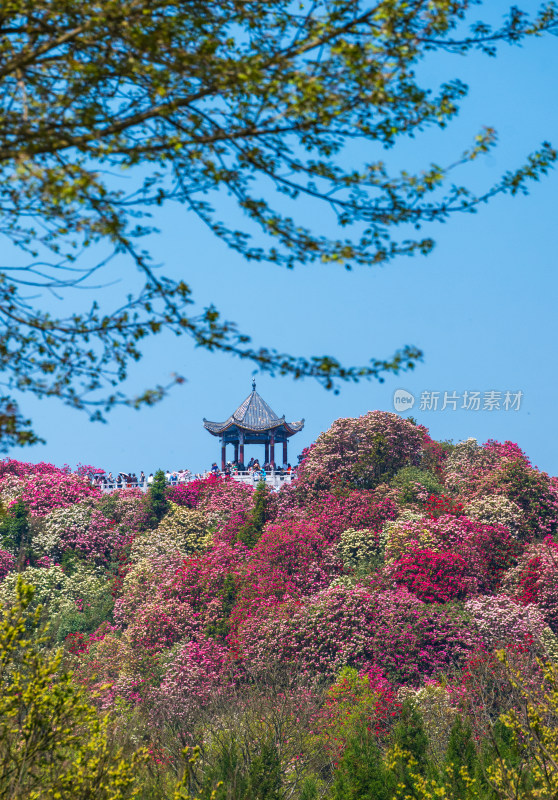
[182,530]
[11,488]
[496,510]
[57,591]
[397,535]
[358,548]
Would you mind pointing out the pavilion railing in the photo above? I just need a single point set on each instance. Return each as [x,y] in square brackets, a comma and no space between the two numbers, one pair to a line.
[272,478]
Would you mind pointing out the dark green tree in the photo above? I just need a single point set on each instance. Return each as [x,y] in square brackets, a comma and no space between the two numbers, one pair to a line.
[111,109]
[221,627]
[264,777]
[250,532]
[157,502]
[16,533]
[360,773]
[460,753]
[409,735]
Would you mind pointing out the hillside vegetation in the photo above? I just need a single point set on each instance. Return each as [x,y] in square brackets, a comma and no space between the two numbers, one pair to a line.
[383,627]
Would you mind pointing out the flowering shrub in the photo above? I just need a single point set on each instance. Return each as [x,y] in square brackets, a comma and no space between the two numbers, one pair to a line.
[489,550]
[21,469]
[500,619]
[397,535]
[496,510]
[7,563]
[225,497]
[361,452]
[414,484]
[467,460]
[11,487]
[535,579]
[288,561]
[196,674]
[353,627]
[182,530]
[357,509]
[126,507]
[532,491]
[503,469]
[44,491]
[192,493]
[439,505]
[81,528]
[158,625]
[207,583]
[358,549]
[57,591]
[141,582]
[434,577]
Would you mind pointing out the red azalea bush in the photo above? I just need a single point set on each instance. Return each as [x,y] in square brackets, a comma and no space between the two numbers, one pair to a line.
[434,577]
[489,550]
[535,579]
[357,509]
[440,505]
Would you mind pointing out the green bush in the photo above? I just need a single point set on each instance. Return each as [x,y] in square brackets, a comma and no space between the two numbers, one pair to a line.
[411,481]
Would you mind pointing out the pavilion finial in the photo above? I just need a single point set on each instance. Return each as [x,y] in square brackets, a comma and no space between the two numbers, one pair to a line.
[253,384]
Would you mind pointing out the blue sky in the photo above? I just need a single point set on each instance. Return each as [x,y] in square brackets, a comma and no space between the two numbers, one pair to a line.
[482,306]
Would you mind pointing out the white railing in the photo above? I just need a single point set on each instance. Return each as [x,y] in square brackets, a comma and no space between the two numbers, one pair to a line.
[273,479]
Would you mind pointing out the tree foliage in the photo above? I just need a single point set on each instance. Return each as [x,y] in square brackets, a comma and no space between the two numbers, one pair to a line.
[157,502]
[53,742]
[110,111]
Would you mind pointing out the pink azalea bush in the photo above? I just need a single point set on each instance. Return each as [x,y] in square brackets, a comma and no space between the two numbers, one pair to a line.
[44,491]
[7,563]
[361,452]
[356,627]
[500,619]
[196,675]
[81,528]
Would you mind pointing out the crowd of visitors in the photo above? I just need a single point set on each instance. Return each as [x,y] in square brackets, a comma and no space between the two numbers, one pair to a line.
[252,468]
[130,480]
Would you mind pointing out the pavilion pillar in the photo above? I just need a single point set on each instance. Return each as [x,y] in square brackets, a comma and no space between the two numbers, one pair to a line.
[285,452]
[223,455]
[241,448]
[272,449]
[236,452]
[266,457]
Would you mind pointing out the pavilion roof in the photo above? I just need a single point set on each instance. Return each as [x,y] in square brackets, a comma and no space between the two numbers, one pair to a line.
[255,415]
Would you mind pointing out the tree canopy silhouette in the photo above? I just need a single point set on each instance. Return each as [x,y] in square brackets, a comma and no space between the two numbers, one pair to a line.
[110,110]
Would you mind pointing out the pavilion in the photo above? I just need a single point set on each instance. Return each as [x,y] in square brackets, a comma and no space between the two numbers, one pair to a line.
[253,422]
